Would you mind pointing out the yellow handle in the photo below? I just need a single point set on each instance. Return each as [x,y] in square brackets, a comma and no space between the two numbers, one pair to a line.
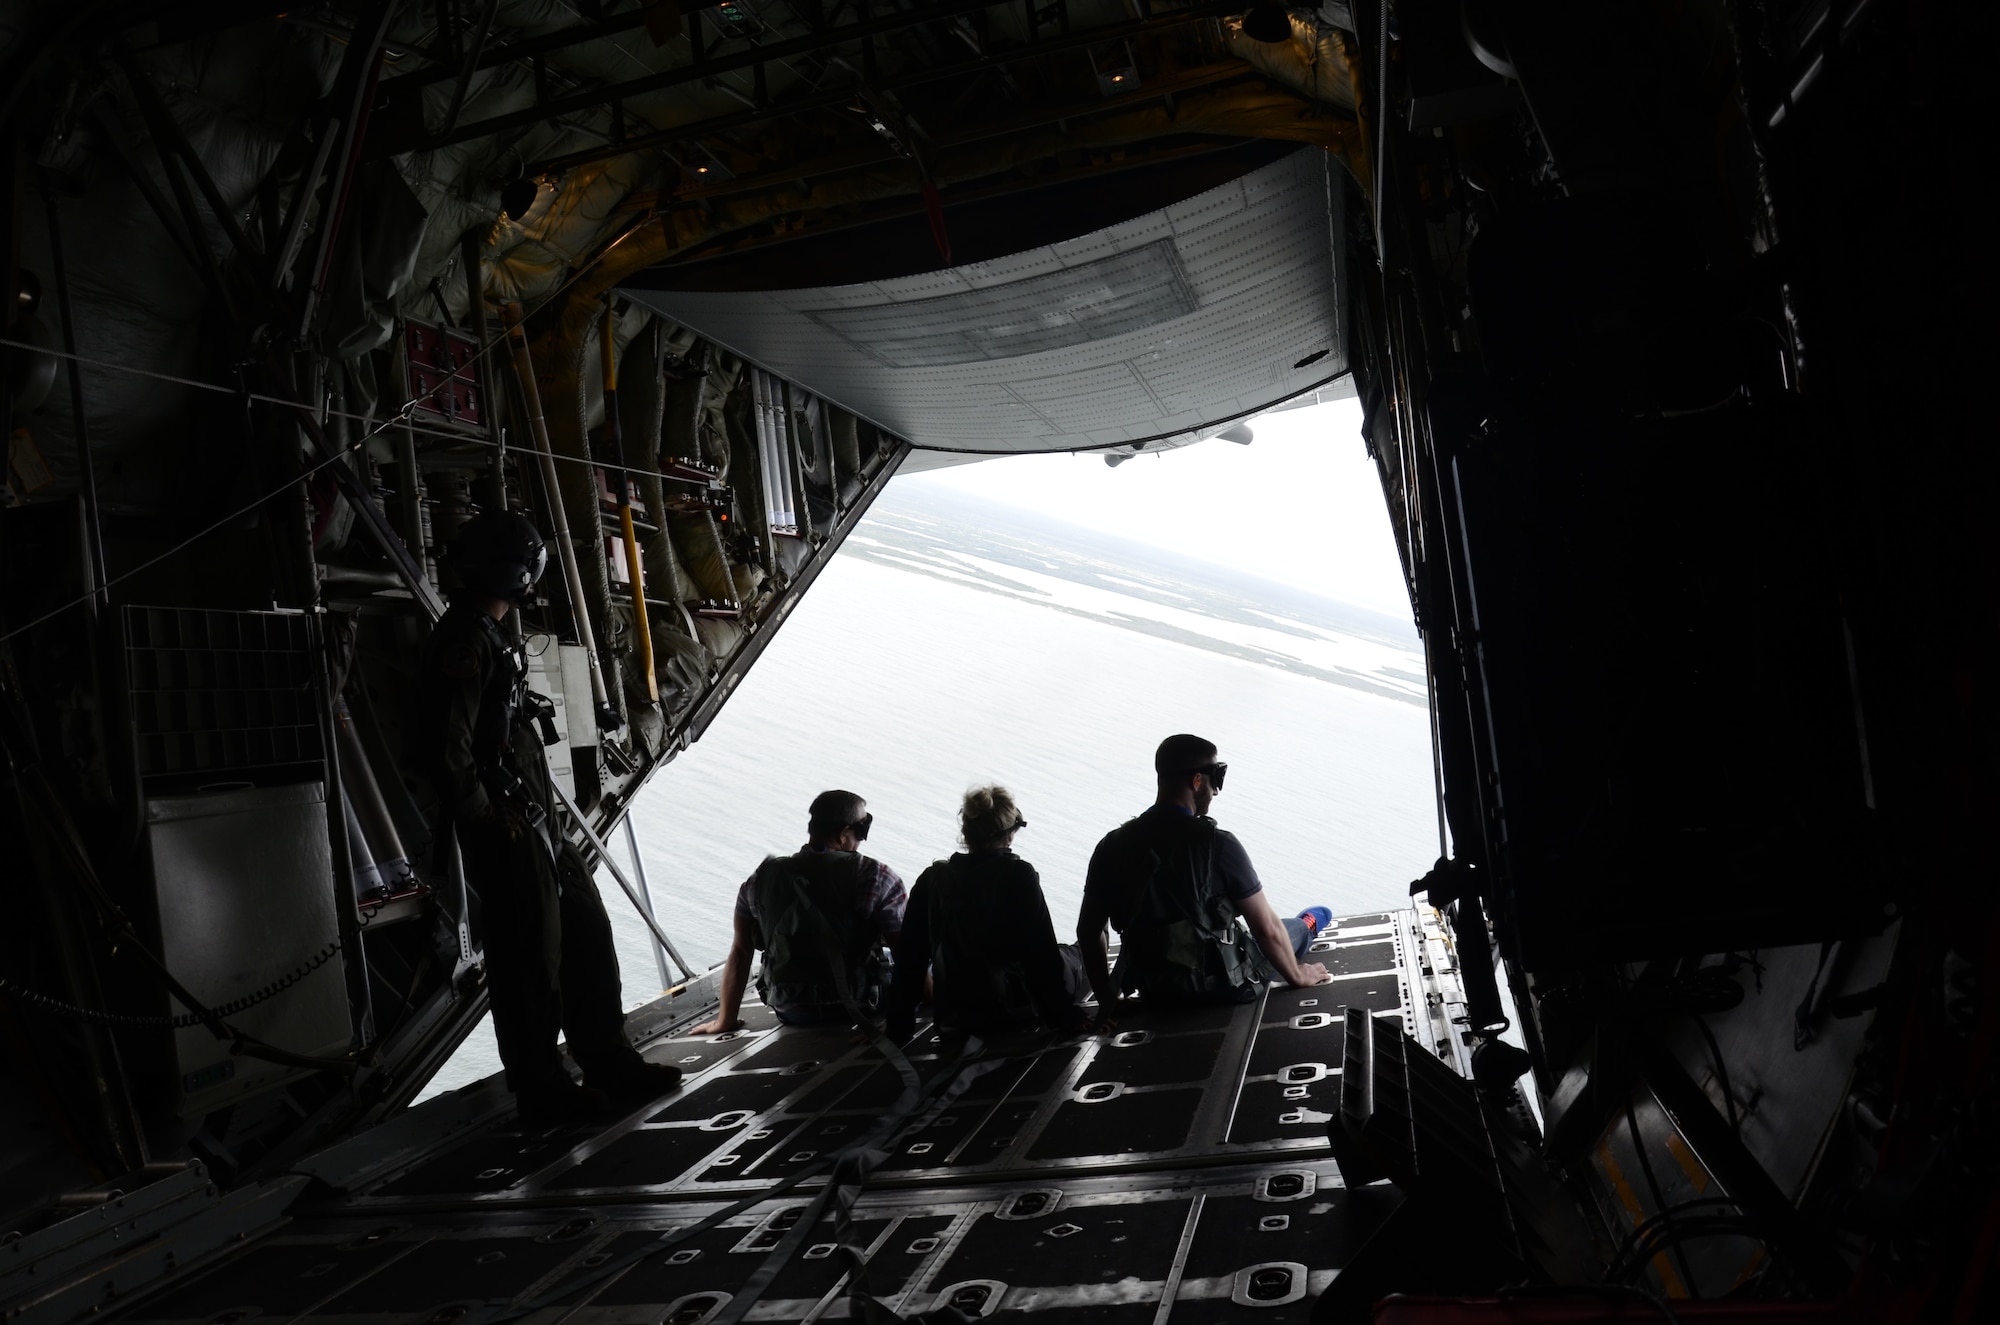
[639,621]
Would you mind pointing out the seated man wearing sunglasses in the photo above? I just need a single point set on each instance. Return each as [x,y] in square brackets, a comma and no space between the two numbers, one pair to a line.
[1172,884]
[820,918]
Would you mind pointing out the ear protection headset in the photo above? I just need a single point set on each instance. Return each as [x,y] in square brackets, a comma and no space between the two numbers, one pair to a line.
[499,554]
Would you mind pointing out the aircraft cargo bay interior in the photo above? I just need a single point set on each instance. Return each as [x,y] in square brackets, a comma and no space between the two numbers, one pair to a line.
[424,415]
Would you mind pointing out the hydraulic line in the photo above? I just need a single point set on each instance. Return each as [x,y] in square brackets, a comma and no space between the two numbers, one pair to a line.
[538,428]
[623,484]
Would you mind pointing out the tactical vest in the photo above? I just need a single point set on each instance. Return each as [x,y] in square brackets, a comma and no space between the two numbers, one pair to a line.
[1179,939]
[973,986]
[808,929]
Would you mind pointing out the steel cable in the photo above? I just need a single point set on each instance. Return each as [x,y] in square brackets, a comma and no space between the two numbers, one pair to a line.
[397,417]
[132,1021]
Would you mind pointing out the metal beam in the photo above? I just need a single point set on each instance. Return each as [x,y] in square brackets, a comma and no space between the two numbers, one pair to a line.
[471,63]
[1204,76]
[192,247]
[369,516]
[526,49]
[86,469]
[861,30]
[865,159]
[291,230]
[355,89]
[646,897]
[869,211]
[696,129]
[168,138]
[582,822]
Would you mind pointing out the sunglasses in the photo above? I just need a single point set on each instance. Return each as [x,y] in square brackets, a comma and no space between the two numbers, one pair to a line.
[1214,772]
[861,827]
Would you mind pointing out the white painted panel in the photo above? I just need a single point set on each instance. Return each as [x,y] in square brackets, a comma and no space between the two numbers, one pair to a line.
[545,677]
[581,707]
[1253,255]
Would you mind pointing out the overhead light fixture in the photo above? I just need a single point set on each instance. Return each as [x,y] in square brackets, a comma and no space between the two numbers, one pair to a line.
[1116,67]
[1269,23]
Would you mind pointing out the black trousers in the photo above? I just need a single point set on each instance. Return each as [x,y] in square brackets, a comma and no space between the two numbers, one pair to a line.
[550,965]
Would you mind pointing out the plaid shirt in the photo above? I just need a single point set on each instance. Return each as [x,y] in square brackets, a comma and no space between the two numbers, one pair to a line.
[880,902]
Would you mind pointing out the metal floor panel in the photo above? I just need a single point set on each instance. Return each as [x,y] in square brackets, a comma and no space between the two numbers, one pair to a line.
[1176,1168]
[1095,1247]
[1201,1085]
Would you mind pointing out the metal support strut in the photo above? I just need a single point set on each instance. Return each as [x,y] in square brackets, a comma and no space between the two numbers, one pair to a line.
[632,894]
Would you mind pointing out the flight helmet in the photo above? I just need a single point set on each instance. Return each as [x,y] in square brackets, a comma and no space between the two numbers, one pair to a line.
[499,554]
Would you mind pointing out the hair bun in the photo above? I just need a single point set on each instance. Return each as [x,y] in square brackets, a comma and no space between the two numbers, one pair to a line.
[987,815]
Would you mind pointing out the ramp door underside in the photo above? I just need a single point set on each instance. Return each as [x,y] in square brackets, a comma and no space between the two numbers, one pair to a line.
[1158,329]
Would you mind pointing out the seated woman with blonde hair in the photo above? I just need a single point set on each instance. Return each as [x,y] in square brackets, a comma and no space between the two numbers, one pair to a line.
[979,924]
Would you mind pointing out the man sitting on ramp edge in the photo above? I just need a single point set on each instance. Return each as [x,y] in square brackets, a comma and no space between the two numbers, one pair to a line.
[1173,885]
[820,917]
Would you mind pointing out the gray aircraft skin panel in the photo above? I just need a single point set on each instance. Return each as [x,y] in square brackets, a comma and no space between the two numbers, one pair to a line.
[1158,329]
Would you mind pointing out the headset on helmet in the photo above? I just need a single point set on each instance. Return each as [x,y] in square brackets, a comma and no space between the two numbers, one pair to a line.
[498,554]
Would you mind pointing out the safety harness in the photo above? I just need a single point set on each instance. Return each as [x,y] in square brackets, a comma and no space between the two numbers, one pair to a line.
[805,915]
[1180,937]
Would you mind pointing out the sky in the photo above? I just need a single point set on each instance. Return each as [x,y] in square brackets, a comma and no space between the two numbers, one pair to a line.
[1301,504]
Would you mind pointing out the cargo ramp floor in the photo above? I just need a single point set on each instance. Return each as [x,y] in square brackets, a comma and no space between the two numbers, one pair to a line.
[1177,1169]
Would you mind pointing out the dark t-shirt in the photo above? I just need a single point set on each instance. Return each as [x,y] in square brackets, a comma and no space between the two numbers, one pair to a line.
[1003,919]
[1232,863]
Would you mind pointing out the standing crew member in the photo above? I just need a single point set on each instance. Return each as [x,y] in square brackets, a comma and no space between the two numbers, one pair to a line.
[550,965]
[1172,884]
[981,926]
[820,918]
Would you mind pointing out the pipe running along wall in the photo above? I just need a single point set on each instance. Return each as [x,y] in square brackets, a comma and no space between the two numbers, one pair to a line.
[558,517]
[621,484]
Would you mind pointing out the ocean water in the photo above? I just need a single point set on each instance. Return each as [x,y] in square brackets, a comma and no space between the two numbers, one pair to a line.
[954,643]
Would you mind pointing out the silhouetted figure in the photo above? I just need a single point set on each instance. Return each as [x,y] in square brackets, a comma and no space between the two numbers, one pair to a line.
[978,923]
[550,965]
[1172,884]
[820,917]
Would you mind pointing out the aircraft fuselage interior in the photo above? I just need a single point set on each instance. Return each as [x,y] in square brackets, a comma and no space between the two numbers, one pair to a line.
[1664,320]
